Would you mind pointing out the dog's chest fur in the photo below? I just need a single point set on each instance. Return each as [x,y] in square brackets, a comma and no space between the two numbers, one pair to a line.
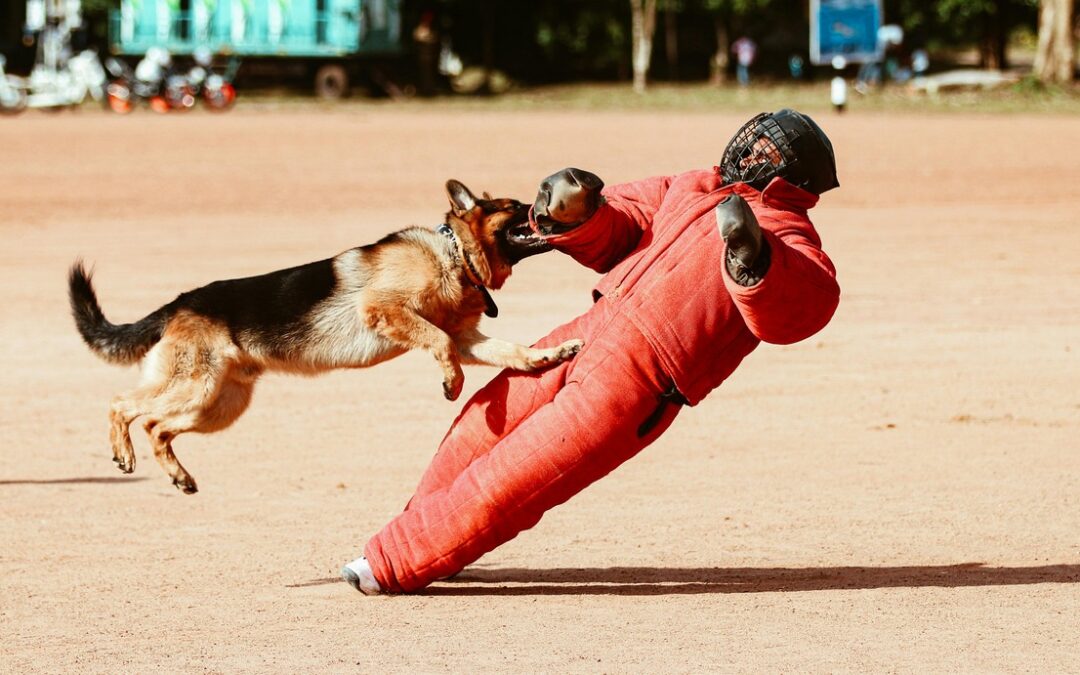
[415,268]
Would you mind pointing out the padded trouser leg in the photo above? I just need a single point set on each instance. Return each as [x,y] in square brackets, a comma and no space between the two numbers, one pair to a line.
[497,409]
[584,432]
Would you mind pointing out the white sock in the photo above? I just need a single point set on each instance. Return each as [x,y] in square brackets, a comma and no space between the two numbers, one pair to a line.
[367,583]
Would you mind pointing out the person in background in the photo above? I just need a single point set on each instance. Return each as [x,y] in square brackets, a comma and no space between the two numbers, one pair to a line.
[426,38]
[745,51]
[795,66]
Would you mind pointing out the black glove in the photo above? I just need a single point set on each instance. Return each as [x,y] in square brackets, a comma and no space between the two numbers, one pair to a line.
[566,199]
[748,254]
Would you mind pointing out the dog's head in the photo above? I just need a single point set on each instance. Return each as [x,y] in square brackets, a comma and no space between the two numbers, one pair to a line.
[494,233]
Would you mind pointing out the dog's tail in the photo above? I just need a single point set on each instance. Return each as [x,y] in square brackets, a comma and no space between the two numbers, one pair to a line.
[123,344]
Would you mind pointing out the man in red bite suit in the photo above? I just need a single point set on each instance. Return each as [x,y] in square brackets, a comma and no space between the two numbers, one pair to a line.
[700,268]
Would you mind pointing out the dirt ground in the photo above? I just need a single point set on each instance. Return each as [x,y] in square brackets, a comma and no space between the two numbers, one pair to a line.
[899,493]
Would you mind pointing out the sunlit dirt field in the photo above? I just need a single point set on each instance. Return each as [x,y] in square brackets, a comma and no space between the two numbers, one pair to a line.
[899,493]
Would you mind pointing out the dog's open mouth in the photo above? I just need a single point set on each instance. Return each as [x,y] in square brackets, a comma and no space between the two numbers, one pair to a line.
[521,242]
[521,234]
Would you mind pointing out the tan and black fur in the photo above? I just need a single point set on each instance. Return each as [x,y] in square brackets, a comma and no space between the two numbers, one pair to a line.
[415,289]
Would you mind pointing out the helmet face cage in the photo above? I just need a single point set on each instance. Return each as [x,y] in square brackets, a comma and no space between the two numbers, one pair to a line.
[760,151]
[785,144]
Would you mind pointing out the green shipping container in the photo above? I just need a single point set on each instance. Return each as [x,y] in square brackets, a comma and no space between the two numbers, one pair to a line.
[289,28]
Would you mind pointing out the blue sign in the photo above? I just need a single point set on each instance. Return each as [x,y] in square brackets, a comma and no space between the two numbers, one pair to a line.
[847,28]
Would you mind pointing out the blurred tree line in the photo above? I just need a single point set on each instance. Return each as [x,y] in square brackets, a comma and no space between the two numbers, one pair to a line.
[560,40]
[567,40]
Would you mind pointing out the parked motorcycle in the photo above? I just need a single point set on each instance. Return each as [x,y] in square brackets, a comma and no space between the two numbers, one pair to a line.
[12,92]
[216,90]
[156,81]
[53,88]
[152,81]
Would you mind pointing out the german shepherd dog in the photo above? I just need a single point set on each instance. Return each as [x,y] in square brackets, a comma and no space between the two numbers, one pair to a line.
[415,289]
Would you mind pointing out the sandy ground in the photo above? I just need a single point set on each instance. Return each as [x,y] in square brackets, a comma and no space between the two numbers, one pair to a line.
[899,493]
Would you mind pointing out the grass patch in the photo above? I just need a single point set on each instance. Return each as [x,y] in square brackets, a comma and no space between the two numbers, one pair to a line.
[1026,96]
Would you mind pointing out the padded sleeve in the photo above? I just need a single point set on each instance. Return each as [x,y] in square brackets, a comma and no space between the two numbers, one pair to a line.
[615,229]
[799,293]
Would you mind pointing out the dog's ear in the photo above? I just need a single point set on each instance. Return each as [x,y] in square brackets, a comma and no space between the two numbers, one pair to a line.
[460,198]
[487,195]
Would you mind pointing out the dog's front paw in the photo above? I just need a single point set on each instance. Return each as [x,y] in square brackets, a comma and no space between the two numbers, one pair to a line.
[452,387]
[569,349]
[564,352]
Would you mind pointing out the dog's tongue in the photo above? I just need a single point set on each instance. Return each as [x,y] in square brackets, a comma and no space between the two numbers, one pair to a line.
[532,222]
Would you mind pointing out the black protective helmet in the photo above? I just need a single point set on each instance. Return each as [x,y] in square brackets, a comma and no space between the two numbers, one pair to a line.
[785,143]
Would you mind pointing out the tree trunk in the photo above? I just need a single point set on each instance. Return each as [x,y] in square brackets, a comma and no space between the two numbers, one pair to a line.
[489,45]
[671,42]
[992,47]
[1042,48]
[1054,56]
[1066,45]
[642,27]
[719,66]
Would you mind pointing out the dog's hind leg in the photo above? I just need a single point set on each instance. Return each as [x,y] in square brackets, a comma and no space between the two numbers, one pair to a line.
[227,402]
[174,412]
[126,407]
[196,358]
[161,437]
[122,411]
[205,404]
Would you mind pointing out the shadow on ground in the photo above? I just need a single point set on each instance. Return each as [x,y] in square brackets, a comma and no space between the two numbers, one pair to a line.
[689,581]
[63,481]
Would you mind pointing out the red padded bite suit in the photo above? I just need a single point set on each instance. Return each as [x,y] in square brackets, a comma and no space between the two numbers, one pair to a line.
[667,314]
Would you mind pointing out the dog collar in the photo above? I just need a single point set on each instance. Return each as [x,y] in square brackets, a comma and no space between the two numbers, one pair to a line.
[490,308]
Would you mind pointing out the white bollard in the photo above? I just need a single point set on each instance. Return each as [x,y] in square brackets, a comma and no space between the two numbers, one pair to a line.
[838,88]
